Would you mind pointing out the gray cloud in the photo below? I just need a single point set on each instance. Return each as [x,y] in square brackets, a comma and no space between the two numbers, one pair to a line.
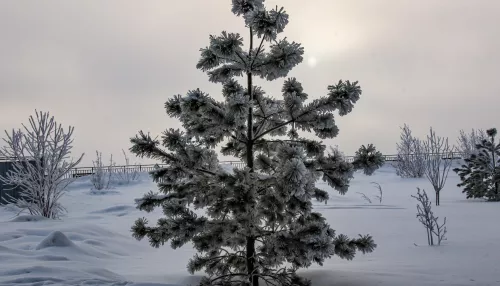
[107,67]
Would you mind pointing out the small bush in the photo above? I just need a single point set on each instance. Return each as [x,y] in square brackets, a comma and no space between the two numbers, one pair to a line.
[410,159]
[426,216]
[126,174]
[102,176]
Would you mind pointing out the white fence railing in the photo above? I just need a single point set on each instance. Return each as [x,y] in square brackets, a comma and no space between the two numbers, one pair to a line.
[85,171]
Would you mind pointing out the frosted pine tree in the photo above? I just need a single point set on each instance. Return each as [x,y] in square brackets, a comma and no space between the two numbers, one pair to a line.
[480,174]
[253,224]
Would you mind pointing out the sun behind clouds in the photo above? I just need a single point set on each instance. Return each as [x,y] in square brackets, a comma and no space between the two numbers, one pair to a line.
[312,62]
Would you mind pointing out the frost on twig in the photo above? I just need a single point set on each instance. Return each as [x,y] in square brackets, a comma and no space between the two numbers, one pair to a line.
[426,216]
[380,192]
[365,197]
[440,230]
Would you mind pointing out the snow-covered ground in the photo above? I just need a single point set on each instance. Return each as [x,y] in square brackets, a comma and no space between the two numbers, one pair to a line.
[92,245]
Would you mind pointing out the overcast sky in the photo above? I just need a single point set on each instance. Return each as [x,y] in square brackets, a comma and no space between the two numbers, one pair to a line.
[107,67]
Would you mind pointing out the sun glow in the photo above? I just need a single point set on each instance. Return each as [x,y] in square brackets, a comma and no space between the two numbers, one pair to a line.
[312,62]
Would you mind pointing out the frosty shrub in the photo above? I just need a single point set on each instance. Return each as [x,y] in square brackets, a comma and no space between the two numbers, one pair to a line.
[480,174]
[258,225]
[410,158]
[127,173]
[425,215]
[467,142]
[436,167]
[102,176]
[41,163]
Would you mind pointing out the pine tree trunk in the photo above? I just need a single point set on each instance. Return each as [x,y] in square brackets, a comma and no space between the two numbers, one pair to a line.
[254,281]
[437,198]
[250,247]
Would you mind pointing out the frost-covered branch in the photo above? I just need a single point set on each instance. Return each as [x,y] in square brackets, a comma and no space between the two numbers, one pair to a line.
[440,230]
[426,216]
[312,116]
[41,163]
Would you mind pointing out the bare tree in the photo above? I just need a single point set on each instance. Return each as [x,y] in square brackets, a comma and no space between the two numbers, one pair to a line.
[437,168]
[467,142]
[41,163]
[102,175]
[410,159]
[426,216]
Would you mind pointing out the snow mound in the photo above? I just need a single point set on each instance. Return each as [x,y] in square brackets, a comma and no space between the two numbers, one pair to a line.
[55,239]
[28,218]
